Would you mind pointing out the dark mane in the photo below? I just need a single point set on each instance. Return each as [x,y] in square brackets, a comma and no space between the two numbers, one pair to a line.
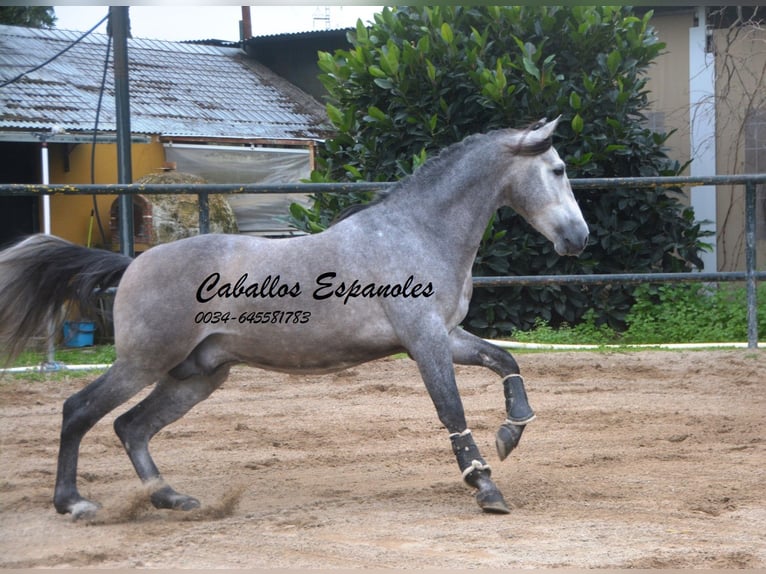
[521,148]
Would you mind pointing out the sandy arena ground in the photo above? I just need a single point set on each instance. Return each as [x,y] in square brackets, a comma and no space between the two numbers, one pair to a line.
[641,459]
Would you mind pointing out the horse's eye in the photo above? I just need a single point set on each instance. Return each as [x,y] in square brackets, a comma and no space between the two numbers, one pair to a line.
[558,171]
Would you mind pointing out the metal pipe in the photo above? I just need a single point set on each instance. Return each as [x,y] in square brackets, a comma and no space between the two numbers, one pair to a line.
[750,263]
[120,25]
[31,189]
[50,363]
[44,164]
[204,213]
[607,278]
[247,25]
[603,184]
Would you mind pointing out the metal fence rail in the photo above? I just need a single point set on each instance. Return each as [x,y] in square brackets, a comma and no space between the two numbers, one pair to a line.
[750,275]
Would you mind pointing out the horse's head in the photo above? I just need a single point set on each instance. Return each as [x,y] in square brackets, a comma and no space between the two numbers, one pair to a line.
[539,189]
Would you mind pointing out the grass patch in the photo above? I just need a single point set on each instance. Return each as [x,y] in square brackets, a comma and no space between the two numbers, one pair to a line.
[69,356]
[100,354]
[682,313]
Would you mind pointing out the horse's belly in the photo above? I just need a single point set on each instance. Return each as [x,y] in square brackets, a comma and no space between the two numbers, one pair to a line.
[311,351]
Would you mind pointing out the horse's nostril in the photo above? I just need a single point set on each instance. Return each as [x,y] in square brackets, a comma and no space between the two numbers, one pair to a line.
[575,245]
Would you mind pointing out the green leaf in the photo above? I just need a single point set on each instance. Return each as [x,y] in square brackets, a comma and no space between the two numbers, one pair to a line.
[335,115]
[530,67]
[376,72]
[353,171]
[613,61]
[361,32]
[479,39]
[575,101]
[447,34]
[424,44]
[431,70]
[588,83]
[432,121]
[326,62]
[577,124]
[500,79]
[389,59]
[377,113]
[298,211]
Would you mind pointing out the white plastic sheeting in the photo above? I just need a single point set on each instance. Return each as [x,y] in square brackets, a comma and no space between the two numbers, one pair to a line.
[257,214]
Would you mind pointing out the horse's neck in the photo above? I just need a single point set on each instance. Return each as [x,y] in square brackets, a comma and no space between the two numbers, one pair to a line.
[451,208]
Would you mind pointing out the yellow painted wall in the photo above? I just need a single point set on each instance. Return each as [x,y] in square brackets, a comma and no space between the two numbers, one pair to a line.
[668,81]
[70,215]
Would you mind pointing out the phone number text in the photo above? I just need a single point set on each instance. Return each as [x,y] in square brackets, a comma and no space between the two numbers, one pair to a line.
[254,317]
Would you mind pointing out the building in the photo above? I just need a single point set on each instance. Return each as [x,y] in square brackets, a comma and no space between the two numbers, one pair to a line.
[710,86]
[294,56]
[209,109]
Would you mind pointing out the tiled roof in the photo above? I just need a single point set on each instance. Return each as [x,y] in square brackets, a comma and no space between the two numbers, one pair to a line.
[176,89]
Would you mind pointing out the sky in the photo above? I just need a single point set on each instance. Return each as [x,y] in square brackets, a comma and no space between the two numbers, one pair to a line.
[176,23]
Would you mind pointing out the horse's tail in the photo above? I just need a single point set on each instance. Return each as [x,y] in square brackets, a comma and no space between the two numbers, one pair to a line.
[41,274]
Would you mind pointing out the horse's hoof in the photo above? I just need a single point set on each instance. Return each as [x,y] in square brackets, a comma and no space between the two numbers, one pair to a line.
[492,502]
[506,439]
[488,496]
[187,503]
[166,497]
[84,509]
[75,505]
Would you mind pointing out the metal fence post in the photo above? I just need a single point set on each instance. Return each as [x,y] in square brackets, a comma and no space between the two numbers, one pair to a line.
[750,264]
[120,24]
[204,212]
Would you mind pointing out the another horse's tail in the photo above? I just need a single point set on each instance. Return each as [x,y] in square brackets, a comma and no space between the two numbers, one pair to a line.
[42,273]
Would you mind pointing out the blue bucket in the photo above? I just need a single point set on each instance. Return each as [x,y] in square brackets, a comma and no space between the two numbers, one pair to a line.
[79,333]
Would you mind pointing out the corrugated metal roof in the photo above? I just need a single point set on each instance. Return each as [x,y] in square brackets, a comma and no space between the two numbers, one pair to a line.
[306,34]
[176,89]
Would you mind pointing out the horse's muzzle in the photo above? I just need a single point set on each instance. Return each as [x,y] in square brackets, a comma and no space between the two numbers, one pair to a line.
[572,240]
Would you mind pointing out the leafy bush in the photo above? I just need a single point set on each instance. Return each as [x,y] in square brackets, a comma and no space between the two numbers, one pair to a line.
[422,78]
[691,314]
[680,313]
[586,332]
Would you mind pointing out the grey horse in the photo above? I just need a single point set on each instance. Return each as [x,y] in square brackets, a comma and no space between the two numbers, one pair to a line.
[390,278]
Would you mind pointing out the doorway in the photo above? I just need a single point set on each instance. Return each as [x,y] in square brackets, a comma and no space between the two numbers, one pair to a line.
[19,215]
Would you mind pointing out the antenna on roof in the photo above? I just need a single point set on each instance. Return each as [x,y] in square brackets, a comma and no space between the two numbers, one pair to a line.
[322,14]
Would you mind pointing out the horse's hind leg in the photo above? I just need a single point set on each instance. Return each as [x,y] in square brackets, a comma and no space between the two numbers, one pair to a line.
[468,349]
[169,401]
[81,411]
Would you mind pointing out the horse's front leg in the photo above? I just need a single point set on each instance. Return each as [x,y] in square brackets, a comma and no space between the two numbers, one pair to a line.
[468,349]
[434,361]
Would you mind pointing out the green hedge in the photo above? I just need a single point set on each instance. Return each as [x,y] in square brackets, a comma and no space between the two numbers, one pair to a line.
[422,78]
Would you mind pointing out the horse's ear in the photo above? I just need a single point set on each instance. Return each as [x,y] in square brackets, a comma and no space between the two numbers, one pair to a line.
[545,128]
[537,138]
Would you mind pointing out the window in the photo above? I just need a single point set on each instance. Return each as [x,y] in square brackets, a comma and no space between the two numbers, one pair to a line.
[755,162]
